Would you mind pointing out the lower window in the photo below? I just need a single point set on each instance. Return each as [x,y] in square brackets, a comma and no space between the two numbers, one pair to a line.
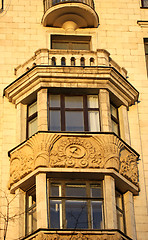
[75,205]
[31,219]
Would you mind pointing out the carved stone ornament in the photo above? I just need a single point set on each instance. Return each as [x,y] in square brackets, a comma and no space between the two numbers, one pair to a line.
[73,151]
[79,236]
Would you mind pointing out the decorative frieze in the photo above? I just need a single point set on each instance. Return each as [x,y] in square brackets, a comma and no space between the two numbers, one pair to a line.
[99,151]
[78,236]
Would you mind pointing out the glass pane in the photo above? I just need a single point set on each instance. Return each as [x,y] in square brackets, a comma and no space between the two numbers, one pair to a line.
[96,191]
[54,190]
[32,127]
[92,101]
[75,190]
[31,221]
[31,198]
[32,109]
[115,127]
[120,221]
[119,200]
[113,111]
[74,121]
[55,214]
[145,3]
[54,100]
[76,214]
[96,213]
[93,121]
[80,46]
[55,120]
[73,102]
[60,45]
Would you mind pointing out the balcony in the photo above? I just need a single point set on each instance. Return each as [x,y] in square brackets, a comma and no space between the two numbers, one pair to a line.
[63,153]
[75,13]
[38,72]
[74,235]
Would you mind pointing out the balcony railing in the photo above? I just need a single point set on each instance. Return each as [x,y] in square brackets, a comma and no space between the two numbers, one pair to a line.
[50,3]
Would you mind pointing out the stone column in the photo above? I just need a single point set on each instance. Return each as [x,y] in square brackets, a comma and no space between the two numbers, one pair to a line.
[129,215]
[21,122]
[42,110]
[110,203]
[20,213]
[41,200]
[123,123]
[105,114]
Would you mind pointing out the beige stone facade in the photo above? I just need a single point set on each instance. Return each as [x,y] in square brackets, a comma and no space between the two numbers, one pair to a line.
[54,50]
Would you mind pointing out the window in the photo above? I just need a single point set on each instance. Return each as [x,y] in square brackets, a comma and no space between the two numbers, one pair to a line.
[75,205]
[92,61]
[120,212]
[73,113]
[146,52]
[145,3]
[70,42]
[31,220]
[114,119]
[31,119]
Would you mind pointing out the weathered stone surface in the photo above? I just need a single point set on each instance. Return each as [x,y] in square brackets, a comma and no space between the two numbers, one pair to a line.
[103,151]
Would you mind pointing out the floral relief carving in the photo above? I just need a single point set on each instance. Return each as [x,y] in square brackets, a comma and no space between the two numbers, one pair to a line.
[79,236]
[128,167]
[54,150]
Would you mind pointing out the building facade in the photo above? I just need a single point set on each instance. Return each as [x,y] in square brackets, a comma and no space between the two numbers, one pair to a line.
[74,115]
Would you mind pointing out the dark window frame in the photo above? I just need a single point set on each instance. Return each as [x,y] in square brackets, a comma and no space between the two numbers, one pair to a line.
[120,210]
[143,3]
[63,110]
[115,119]
[30,118]
[63,198]
[29,210]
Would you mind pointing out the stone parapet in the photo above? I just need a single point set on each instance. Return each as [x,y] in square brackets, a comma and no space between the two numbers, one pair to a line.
[74,235]
[73,151]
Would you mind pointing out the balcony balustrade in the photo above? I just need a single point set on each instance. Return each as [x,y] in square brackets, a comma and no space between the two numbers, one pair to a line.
[63,152]
[79,12]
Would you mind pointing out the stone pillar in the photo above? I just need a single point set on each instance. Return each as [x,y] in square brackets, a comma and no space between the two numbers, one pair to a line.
[42,110]
[105,114]
[123,123]
[41,200]
[21,123]
[129,215]
[20,213]
[110,203]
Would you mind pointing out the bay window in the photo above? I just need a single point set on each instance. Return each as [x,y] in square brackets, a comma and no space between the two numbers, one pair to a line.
[120,212]
[73,113]
[31,219]
[114,119]
[75,205]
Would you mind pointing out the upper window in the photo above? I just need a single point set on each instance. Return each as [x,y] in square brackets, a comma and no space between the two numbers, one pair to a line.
[120,212]
[145,3]
[146,52]
[70,42]
[114,119]
[31,119]
[73,113]
[75,205]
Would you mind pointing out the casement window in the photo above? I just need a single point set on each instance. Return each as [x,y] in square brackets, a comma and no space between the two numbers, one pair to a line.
[144,3]
[146,51]
[120,212]
[31,219]
[75,205]
[70,42]
[31,119]
[73,113]
[114,119]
